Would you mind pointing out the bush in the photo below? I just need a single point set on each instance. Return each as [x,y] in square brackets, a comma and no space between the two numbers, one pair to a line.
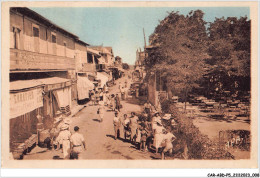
[199,145]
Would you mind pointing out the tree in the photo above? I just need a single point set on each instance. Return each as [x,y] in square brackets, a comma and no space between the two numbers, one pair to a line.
[125,66]
[180,50]
[229,52]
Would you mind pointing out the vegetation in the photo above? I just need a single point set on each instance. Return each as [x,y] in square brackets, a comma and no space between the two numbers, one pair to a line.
[125,66]
[199,146]
[190,56]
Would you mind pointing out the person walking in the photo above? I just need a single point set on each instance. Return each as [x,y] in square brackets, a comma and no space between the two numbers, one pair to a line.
[77,141]
[92,97]
[64,139]
[119,87]
[117,102]
[101,95]
[126,93]
[97,97]
[122,93]
[133,126]
[101,111]
[117,123]
[113,102]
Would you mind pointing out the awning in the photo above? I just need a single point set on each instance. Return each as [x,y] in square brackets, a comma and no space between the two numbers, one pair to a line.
[53,82]
[83,86]
[24,84]
[94,52]
[102,77]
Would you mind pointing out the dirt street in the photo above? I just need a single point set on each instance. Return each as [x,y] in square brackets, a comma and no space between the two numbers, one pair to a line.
[99,137]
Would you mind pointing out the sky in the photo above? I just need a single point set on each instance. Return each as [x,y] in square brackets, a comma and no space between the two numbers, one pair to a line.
[122,27]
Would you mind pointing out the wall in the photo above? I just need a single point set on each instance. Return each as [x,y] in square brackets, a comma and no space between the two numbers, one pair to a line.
[42,44]
[81,55]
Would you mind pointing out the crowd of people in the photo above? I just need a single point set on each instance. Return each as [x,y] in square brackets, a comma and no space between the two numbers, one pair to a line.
[147,131]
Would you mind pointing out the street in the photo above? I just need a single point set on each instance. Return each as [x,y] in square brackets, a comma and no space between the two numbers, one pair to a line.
[99,137]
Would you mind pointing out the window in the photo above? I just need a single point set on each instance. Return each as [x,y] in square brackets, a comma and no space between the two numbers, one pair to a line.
[36,32]
[89,58]
[54,43]
[16,33]
[36,35]
[53,38]
[96,60]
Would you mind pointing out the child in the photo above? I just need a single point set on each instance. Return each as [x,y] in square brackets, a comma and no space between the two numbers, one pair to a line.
[169,138]
[143,146]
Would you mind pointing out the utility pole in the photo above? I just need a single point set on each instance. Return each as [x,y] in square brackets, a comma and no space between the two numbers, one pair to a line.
[144,40]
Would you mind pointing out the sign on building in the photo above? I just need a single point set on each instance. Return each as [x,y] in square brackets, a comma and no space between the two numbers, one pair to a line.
[24,102]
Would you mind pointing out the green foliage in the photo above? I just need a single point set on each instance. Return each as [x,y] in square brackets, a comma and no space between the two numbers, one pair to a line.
[199,145]
[230,45]
[180,51]
[125,66]
[229,51]
[184,52]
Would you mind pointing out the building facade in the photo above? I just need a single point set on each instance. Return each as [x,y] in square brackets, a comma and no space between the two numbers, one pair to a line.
[43,79]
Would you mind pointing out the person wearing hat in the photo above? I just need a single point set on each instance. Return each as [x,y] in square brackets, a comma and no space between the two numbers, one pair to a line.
[117,123]
[76,142]
[64,139]
[169,138]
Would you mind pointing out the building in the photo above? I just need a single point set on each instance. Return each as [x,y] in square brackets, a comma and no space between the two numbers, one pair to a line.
[86,62]
[107,56]
[157,89]
[42,72]
[140,63]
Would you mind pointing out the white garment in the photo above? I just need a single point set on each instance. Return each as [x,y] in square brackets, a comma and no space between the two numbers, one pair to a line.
[76,140]
[64,139]
[168,140]
[116,119]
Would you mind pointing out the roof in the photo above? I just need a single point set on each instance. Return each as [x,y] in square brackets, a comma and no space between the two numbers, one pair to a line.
[26,84]
[93,51]
[82,42]
[103,49]
[35,16]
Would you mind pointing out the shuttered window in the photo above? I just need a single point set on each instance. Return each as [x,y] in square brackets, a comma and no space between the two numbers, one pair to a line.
[36,32]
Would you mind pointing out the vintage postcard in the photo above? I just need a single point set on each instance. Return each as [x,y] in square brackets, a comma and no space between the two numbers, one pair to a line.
[129,85]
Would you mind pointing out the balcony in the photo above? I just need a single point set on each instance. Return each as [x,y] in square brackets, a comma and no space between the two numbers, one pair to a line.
[87,67]
[26,60]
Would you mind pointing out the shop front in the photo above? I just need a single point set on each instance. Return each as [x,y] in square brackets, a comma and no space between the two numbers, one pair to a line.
[57,97]
[26,102]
